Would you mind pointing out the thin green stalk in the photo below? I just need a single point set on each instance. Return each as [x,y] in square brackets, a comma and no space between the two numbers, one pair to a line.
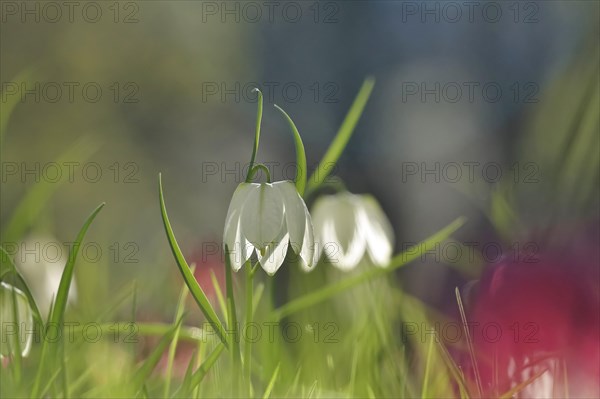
[271,383]
[142,374]
[173,347]
[469,343]
[219,293]
[60,303]
[425,385]
[232,324]
[256,134]
[249,320]
[133,313]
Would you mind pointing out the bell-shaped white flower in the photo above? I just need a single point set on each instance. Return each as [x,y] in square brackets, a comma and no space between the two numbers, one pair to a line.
[266,218]
[349,226]
[16,320]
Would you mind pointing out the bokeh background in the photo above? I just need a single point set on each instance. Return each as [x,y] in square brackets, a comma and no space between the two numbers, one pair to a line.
[175,80]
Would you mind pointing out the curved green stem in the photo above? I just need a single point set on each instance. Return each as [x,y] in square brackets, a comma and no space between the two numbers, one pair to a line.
[256,134]
[253,171]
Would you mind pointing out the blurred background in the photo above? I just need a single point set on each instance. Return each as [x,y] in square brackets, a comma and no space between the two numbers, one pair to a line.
[108,94]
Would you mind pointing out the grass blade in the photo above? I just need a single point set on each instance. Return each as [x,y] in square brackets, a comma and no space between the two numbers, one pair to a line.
[188,276]
[469,342]
[271,383]
[343,135]
[453,368]
[199,374]
[142,374]
[425,384]
[300,154]
[60,303]
[219,294]
[173,347]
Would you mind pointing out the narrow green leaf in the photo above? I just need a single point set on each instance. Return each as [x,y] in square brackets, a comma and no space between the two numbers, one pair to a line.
[402,259]
[57,310]
[199,374]
[188,374]
[173,347]
[454,370]
[259,113]
[343,135]
[300,154]
[469,339]
[271,383]
[50,382]
[219,293]
[142,374]
[425,385]
[60,303]
[188,277]
[294,386]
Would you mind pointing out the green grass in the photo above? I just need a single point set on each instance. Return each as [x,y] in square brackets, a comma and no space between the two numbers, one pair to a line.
[349,343]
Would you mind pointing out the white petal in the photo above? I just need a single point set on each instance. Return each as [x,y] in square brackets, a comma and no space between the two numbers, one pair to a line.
[339,234]
[233,213]
[308,250]
[236,245]
[345,252]
[378,231]
[295,213]
[20,322]
[240,251]
[262,216]
[275,254]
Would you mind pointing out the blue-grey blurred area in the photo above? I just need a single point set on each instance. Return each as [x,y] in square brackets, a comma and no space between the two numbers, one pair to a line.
[456,83]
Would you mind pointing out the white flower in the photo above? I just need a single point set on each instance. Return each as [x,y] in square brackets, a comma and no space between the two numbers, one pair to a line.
[347,226]
[16,320]
[41,260]
[265,218]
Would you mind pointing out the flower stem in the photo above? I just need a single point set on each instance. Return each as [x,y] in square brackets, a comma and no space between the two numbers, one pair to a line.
[255,169]
[256,134]
[249,320]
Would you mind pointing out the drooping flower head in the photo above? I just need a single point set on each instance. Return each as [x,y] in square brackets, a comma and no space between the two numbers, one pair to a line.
[348,227]
[266,218]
